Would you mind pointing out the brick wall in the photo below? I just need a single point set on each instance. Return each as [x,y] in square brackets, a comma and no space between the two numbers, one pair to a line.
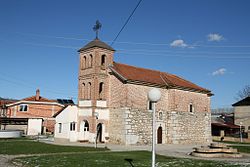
[45,111]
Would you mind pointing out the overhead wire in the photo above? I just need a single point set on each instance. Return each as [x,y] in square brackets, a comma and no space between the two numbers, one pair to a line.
[127,42]
[126,22]
[31,86]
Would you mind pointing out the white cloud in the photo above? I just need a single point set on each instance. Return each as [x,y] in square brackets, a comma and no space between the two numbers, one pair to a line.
[178,43]
[220,71]
[214,37]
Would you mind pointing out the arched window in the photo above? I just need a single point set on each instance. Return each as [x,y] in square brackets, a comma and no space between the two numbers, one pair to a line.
[83,90]
[86,125]
[89,91]
[103,60]
[90,60]
[101,91]
[83,62]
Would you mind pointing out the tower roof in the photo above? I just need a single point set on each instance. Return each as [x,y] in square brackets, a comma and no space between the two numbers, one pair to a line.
[96,43]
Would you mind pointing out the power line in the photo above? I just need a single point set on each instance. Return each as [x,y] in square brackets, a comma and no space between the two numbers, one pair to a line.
[154,52]
[123,42]
[181,52]
[126,22]
[18,83]
[186,55]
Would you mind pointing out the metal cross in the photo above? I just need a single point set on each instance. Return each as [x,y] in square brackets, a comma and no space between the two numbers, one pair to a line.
[97,27]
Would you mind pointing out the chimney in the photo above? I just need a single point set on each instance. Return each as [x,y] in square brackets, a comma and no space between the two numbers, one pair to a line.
[37,94]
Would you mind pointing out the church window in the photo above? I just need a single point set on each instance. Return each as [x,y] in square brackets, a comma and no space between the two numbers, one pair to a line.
[83,90]
[150,105]
[72,126]
[84,62]
[90,60]
[103,60]
[101,91]
[86,126]
[191,108]
[89,91]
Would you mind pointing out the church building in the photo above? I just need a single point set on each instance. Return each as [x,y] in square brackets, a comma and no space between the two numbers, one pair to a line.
[113,106]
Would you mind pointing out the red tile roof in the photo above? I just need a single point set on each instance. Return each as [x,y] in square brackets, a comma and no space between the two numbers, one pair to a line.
[232,126]
[6,101]
[41,99]
[152,77]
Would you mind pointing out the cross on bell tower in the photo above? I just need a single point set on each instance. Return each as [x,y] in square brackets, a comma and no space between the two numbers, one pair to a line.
[97,27]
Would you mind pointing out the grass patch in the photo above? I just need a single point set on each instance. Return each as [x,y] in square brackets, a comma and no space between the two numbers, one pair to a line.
[14,147]
[115,159]
[244,149]
[231,142]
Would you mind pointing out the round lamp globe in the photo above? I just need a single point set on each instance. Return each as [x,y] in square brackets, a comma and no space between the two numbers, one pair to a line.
[154,95]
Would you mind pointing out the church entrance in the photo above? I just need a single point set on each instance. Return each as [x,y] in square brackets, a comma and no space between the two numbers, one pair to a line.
[99,132]
[159,135]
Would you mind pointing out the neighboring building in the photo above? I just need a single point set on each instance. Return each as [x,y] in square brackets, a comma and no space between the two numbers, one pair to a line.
[223,125]
[242,113]
[113,104]
[3,107]
[66,128]
[33,114]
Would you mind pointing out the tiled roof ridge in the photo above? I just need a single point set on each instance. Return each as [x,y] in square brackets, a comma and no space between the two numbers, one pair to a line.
[166,78]
[139,67]
[188,81]
[41,99]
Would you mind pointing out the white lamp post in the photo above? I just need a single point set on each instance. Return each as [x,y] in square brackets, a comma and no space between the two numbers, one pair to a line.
[96,114]
[240,132]
[154,96]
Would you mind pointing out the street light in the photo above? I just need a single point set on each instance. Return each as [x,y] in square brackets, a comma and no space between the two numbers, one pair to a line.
[96,114]
[240,132]
[154,96]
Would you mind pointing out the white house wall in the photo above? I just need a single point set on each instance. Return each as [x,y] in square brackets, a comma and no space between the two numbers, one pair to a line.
[68,115]
[34,127]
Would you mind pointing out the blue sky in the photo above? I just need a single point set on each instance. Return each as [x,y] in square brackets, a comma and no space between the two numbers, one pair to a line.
[206,42]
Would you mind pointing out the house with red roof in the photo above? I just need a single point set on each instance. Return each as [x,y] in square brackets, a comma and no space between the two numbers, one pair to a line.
[33,115]
[113,105]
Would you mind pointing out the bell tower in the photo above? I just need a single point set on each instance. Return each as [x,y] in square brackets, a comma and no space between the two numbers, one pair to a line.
[93,86]
[95,59]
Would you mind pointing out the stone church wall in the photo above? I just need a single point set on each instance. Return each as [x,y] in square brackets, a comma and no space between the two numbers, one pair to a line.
[134,127]
[117,126]
[131,121]
[188,128]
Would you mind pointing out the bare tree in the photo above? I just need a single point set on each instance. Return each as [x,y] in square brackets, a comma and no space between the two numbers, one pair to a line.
[245,92]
